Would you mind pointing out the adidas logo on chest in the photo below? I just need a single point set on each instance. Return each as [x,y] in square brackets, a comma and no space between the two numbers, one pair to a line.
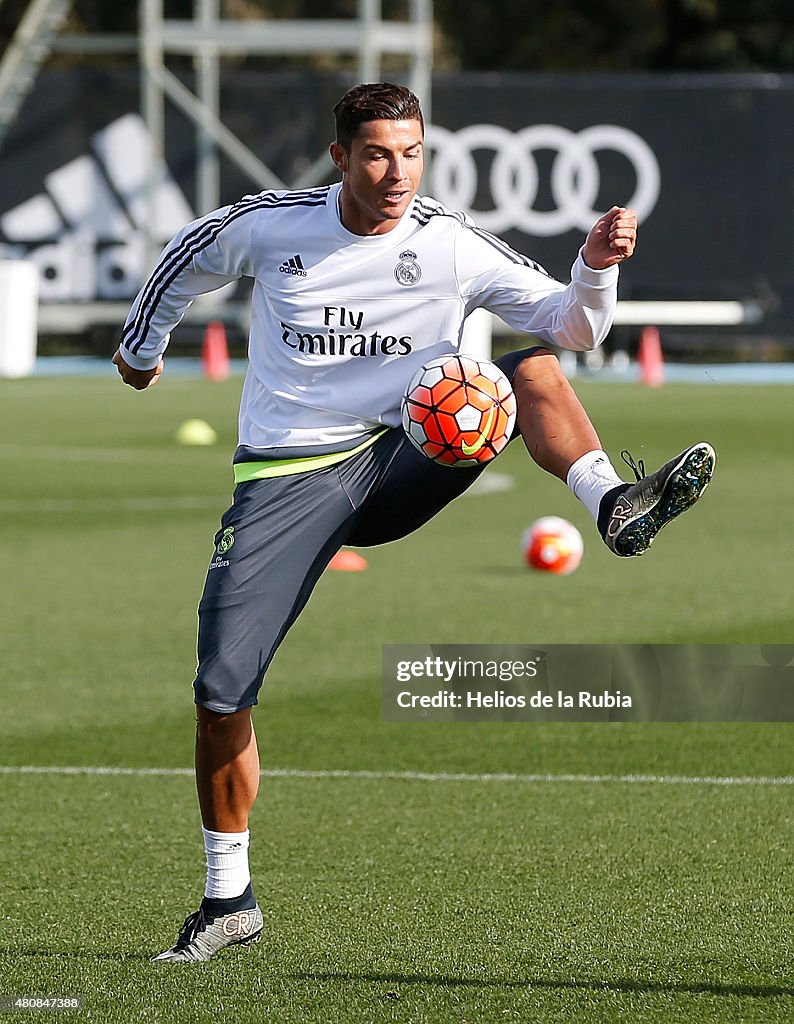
[293,266]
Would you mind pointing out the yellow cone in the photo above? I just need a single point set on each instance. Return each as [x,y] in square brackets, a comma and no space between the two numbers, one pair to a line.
[196,433]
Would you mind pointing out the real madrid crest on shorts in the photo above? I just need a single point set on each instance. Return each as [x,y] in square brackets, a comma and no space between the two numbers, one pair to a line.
[407,271]
[226,542]
[223,546]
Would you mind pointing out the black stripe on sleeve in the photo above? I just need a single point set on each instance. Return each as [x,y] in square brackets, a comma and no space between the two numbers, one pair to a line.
[175,261]
[507,251]
[424,212]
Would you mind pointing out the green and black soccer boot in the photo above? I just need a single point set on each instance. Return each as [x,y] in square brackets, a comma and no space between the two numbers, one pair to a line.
[631,515]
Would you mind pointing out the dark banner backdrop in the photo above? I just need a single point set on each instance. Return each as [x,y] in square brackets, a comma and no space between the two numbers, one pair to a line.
[714,156]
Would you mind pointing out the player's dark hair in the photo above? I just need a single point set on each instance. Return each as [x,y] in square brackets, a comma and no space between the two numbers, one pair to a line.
[378,101]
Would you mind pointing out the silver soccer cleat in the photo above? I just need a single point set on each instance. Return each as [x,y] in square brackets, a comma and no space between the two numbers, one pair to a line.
[644,507]
[201,937]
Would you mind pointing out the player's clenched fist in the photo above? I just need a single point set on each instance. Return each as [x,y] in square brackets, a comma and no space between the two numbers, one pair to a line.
[138,379]
[612,239]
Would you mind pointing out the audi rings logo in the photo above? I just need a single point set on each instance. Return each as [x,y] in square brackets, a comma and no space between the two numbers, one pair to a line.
[514,177]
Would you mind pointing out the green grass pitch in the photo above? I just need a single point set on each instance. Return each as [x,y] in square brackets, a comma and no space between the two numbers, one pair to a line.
[387,898]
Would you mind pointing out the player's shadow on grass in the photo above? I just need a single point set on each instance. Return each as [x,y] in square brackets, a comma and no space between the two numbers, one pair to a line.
[592,984]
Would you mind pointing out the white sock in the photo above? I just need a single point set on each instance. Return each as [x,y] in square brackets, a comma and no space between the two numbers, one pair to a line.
[227,863]
[590,477]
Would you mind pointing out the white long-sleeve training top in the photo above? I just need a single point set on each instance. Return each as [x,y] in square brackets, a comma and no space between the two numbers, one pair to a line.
[340,322]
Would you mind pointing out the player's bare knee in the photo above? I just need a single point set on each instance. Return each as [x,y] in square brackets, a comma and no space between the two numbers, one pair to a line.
[538,373]
[222,725]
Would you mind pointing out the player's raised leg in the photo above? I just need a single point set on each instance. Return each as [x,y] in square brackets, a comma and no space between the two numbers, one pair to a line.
[555,427]
[561,439]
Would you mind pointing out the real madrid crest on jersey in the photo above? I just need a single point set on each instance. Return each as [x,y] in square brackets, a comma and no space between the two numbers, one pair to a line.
[407,271]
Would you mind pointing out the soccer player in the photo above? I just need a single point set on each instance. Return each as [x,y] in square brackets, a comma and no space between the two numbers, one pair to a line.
[356,285]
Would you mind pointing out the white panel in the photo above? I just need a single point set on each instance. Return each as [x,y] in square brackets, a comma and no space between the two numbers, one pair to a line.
[32,221]
[18,307]
[86,201]
[124,148]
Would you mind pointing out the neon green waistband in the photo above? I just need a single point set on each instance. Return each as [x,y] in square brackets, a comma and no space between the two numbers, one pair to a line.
[244,471]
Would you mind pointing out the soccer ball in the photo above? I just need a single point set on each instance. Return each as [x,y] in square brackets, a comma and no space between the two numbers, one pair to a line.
[459,411]
[553,544]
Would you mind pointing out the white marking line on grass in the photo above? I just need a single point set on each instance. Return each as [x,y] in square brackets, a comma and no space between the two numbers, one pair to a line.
[299,773]
[65,454]
[122,504]
[490,483]
[177,502]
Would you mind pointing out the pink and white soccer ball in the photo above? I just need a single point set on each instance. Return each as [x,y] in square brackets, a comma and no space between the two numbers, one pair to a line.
[552,544]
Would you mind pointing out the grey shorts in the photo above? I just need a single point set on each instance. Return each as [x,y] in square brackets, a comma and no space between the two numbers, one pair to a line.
[279,535]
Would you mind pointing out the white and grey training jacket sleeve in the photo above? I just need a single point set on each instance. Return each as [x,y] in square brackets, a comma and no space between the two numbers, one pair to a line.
[576,316]
[205,255]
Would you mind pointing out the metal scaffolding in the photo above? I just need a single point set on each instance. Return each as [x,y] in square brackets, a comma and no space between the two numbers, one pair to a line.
[207,38]
[28,50]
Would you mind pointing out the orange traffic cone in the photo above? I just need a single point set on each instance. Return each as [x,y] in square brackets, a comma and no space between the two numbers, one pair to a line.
[650,358]
[348,561]
[215,352]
